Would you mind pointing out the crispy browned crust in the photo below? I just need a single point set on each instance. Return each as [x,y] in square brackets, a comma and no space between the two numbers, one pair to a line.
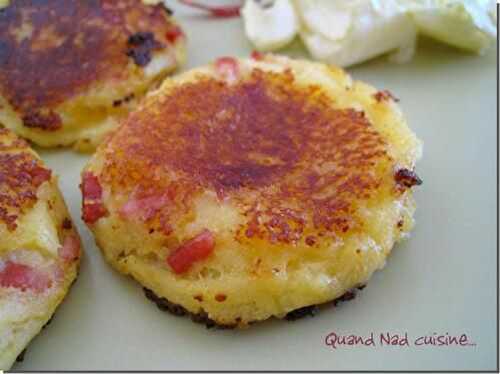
[49,121]
[20,358]
[178,310]
[202,317]
[290,161]
[21,173]
[406,178]
[51,50]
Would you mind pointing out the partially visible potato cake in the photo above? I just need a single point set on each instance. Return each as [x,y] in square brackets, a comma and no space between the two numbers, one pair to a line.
[39,249]
[70,69]
[251,188]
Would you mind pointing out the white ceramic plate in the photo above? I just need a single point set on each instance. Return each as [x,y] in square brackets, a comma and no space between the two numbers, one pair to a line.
[443,279]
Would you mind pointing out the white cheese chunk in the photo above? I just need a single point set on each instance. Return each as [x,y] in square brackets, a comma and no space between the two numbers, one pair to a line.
[363,30]
[270,26]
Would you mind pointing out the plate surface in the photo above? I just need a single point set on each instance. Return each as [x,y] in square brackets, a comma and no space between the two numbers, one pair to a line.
[441,280]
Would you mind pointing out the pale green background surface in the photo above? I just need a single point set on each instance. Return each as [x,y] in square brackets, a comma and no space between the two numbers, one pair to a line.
[443,279]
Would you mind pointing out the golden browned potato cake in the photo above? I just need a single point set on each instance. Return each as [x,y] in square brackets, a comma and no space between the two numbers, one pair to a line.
[70,69]
[251,188]
[39,249]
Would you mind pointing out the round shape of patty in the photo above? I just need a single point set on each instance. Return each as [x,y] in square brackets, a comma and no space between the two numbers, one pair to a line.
[69,70]
[39,250]
[250,188]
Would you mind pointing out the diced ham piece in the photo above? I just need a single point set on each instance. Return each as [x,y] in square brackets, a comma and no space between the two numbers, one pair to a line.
[23,277]
[227,68]
[143,208]
[40,175]
[91,188]
[70,250]
[257,56]
[92,212]
[196,249]
[173,34]
[93,209]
